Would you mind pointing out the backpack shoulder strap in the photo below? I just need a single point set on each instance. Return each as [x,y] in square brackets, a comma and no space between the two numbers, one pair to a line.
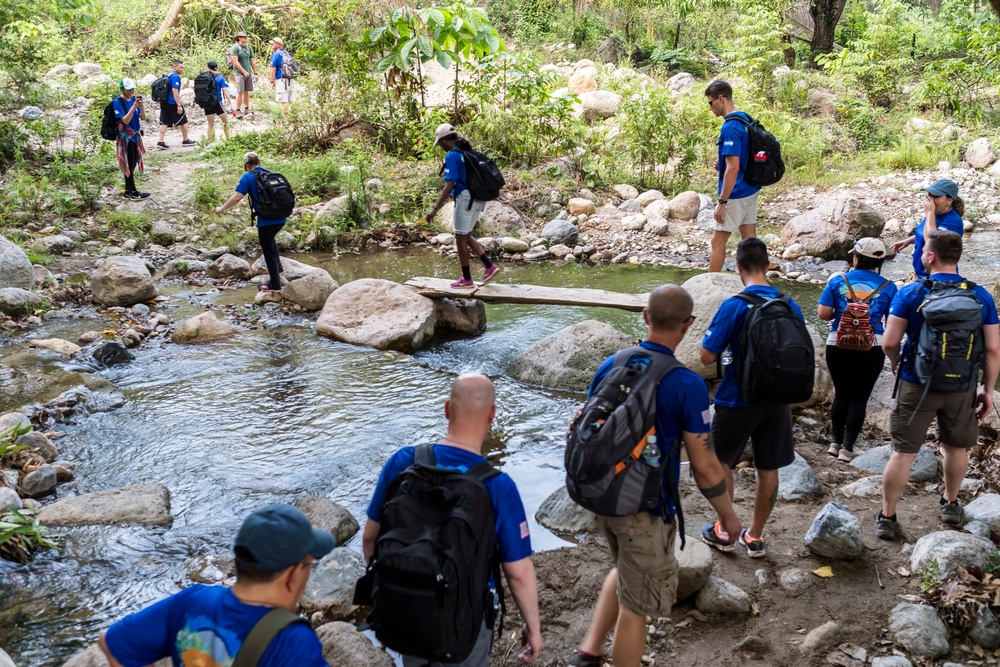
[261,636]
[850,289]
[424,455]
[871,297]
[753,299]
[483,471]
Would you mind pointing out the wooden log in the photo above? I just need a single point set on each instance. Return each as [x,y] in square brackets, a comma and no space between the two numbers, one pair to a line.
[437,288]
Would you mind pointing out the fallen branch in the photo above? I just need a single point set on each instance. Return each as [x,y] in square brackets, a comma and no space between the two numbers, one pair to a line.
[253,9]
[173,17]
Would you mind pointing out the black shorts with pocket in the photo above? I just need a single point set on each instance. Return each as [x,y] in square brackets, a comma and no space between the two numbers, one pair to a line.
[170,117]
[767,427]
[217,110]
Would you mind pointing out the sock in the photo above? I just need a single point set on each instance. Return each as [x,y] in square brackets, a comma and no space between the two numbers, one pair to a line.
[466,273]
[485,260]
[890,518]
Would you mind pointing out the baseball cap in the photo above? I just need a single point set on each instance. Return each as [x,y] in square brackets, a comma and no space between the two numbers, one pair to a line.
[241,34]
[278,536]
[213,65]
[443,130]
[943,186]
[869,247]
[126,84]
[277,40]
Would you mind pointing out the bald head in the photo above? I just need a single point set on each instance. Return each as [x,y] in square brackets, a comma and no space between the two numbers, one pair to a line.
[472,397]
[669,306]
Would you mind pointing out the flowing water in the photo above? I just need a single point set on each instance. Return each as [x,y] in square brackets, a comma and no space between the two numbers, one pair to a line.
[276,413]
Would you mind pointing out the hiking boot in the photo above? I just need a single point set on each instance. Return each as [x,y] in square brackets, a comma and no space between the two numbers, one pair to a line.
[714,536]
[490,272]
[584,659]
[754,545]
[847,455]
[136,196]
[833,449]
[160,144]
[463,283]
[952,513]
[188,142]
[885,528]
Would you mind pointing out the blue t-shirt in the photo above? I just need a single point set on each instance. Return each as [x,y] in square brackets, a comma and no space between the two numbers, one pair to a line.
[206,625]
[681,406]
[909,299]
[276,62]
[735,140]
[836,295]
[220,83]
[175,82]
[726,330]
[122,107]
[454,170]
[509,520]
[248,185]
[951,221]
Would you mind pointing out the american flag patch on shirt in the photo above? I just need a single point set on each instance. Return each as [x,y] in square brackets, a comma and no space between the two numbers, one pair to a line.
[706,416]
[524,530]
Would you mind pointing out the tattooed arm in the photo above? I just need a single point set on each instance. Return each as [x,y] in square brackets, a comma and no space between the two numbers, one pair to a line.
[712,479]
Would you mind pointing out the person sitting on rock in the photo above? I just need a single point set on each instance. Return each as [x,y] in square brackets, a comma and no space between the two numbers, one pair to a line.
[212,625]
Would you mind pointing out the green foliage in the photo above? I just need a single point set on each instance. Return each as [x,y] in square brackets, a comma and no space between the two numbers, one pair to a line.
[208,192]
[8,437]
[21,534]
[930,576]
[677,60]
[87,177]
[864,124]
[963,86]
[913,152]
[127,223]
[757,48]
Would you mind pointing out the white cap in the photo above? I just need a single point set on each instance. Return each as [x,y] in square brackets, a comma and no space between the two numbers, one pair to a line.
[443,130]
[126,84]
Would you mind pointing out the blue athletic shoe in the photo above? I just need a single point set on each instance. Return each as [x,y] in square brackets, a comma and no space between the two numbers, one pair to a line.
[714,536]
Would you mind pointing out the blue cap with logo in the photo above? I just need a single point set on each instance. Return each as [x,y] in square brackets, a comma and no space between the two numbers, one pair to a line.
[278,536]
[943,186]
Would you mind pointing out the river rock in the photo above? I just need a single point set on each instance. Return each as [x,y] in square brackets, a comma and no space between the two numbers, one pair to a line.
[57,345]
[570,357]
[39,482]
[680,83]
[311,290]
[12,420]
[560,514]
[718,596]
[648,197]
[561,231]
[950,549]
[111,353]
[122,281]
[230,267]
[822,638]
[202,328]
[829,231]
[708,290]
[986,631]
[599,104]
[497,219]
[659,208]
[54,244]
[979,529]
[38,443]
[291,269]
[797,481]
[582,82]
[685,206]
[86,70]
[866,487]
[656,226]
[625,191]
[980,153]
[695,566]
[795,580]
[9,499]
[462,315]
[924,468]
[163,233]
[917,628]
[329,516]
[94,657]
[211,568]
[536,254]
[58,71]
[559,251]
[16,302]
[344,646]
[145,504]
[633,222]
[985,508]
[835,533]
[378,313]
[630,206]
[331,584]
[512,245]
[579,205]
[891,661]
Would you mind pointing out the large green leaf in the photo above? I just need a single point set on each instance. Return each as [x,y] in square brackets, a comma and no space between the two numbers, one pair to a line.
[375,34]
[444,59]
[404,51]
[383,65]
[493,42]
[426,46]
[435,18]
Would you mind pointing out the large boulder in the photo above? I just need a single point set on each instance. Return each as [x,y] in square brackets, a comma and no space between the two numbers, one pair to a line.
[311,290]
[16,302]
[145,504]
[560,514]
[39,482]
[599,104]
[497,219]
[230,267]
[202,328]
[122,281]
[829,231]
[950,549]
[685,206]
[378,313]
[87,70]
[331,585]
[163,233]
[980,154]
[55,244]
[918,629]
[329,516]
[570,357]
[582,82]
[695,566]
[344,646]
[985,508]
[924,468]
[57,345]
[611,50]
[15,267]
[580,206]
[797,481]
[708,290]
[561,231]
[461,315]
[718,596]
[680,83]
[291,269]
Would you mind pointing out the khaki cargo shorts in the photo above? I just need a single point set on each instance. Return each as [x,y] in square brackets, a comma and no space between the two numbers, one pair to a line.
[739,212]
[642,548]
[955,412]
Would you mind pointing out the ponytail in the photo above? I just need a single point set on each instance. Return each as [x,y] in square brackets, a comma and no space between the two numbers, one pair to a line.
[958,204]
[464,144]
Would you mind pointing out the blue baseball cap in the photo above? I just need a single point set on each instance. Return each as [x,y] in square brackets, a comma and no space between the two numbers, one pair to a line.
[943,186]
[277,537]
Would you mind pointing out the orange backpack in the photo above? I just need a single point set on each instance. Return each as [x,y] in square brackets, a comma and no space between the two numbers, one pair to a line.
[855,330]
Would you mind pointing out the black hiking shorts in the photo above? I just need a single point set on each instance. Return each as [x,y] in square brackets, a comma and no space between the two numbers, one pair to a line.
[767,427]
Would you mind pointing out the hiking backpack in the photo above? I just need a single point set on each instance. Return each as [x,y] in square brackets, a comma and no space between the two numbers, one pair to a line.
[109,121]
[275,199]
[434,555]
[949,348]
[605,470]
[206,90]
[289,68]
[855,332]
[764,165]
[776,363]
[482,176]
[160,90]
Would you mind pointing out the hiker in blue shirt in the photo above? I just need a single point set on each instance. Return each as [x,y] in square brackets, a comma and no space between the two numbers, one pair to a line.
[219,110]
[172,113]
[130,109]
[285,88]
[266,229]
[943,209]
[854,372]
[209,625]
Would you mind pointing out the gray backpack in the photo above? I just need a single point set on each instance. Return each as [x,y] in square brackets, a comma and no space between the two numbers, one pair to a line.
[949,350]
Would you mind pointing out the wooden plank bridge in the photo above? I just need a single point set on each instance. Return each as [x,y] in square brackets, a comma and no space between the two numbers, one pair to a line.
[437,288]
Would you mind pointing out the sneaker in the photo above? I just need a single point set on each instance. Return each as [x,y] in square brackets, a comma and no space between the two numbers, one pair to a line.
[489,273]
[160,144]
[136,196]
[833,449]
[754,545]
[714,536]
[847,455]
[885,528]
[952,513]
[463,283]
[188,142]
[584,659]
[267,288]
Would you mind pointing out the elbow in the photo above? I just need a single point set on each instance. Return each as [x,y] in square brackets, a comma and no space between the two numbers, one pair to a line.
[707,358]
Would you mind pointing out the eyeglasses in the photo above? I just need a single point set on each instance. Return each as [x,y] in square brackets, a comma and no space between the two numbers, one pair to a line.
[691,318]
[711,100]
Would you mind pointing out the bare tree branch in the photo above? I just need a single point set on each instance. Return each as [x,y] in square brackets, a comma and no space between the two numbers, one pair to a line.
[173,17]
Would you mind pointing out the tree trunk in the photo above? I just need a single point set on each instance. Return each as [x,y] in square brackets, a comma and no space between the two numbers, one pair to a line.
[825,15]
[995,4]
[173,17]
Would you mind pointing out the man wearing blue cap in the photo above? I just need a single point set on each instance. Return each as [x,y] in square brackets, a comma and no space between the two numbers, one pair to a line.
[943,209]
[212,625]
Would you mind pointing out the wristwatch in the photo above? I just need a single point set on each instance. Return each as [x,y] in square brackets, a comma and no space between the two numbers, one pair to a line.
[723,201]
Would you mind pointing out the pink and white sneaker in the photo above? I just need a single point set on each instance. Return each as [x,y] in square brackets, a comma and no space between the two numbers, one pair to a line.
[463,283]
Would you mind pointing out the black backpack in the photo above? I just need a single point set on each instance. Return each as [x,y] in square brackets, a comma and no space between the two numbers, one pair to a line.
[776,363]
[764,165]
[109,121]
[949,348]
[275,199]
[605,470]
[482,176]
[160,90]
[434,555]
[206,91]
